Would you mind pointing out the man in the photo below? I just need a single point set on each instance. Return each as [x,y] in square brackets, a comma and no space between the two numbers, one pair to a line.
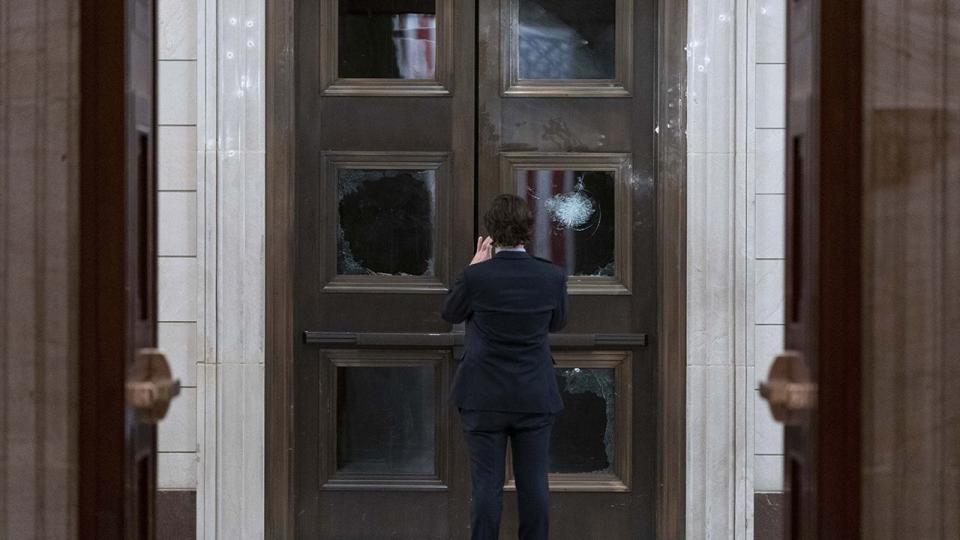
[505,386]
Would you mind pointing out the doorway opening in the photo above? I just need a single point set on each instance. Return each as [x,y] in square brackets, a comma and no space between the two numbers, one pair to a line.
[389,125]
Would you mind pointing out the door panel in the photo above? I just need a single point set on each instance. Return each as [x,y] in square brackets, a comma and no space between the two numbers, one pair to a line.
[566,121]
[384,208]
[403,137]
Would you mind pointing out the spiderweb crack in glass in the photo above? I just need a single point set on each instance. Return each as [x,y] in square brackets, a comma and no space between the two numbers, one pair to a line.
[573,217]
[572,210]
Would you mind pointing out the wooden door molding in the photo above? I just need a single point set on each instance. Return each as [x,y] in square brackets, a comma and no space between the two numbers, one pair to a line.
[279,239]
[672,268]
[280,234]
[118,307]
[103,328]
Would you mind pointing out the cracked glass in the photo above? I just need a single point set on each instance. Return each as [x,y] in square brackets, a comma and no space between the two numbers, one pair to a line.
[573,215]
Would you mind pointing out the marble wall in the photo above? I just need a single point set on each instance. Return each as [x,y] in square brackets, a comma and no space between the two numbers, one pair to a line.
[39,178]
[179,279]
[735,134]
[211,269]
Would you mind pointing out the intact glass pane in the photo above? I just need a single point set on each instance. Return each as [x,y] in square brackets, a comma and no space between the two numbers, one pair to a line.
[567,39]
[583,437]
[386,419]
[573,218]
[386,222]
[387,39]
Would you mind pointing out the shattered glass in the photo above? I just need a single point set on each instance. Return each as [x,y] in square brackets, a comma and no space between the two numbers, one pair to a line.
[584,434]
[573,218]
[386,222]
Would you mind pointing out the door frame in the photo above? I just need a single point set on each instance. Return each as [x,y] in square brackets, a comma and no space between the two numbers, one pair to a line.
[280,332]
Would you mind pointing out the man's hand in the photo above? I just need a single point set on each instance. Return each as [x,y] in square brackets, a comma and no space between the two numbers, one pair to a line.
[484,250]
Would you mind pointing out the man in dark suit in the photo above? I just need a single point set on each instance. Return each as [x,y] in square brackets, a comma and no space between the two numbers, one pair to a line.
[505,386]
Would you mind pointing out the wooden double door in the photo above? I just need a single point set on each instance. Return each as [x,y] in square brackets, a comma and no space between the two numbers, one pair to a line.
[411,116]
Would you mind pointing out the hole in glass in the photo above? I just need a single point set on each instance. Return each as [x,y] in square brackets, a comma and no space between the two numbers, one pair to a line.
[386,222]
[573,215]
[567,39]
[386,420]
[387,39]
[583,437]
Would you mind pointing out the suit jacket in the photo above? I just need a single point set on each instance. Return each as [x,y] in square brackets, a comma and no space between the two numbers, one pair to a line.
[510,303]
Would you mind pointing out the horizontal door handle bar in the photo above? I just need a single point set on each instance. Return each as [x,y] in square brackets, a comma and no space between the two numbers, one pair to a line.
[455,339]
[383,339]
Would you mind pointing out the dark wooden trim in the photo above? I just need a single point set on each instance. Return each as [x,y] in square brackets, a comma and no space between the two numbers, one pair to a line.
[104,323]
[564,340]
[838,300]
[280,219]
[672,265]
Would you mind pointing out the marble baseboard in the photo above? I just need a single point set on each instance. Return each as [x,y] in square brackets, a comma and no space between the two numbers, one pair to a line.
[768,516]
[176,515]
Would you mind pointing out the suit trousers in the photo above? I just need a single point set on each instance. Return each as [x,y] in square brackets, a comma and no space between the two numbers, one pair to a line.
[529,433]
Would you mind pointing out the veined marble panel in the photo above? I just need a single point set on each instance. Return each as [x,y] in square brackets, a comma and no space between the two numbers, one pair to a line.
[240,450]
[177,29]
[771,23]
[711,75]
[176,92]
[179,341]
[178,431]
[710,259]
[177,158]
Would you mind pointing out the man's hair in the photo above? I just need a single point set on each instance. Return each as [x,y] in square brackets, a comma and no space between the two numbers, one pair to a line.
[508,221]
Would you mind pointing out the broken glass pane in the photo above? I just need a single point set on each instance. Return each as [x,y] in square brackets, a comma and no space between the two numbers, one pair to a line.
[584,434]
[386,222]
[386,419]
[567,39]
[573,218]
[394,39]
